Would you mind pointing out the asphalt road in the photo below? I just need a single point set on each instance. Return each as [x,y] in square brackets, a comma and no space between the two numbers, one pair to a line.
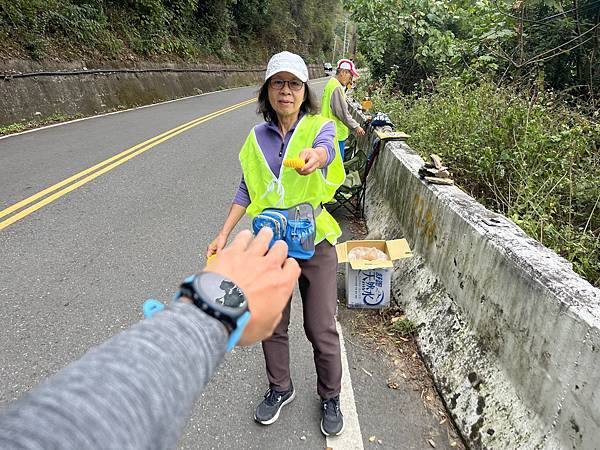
[76,271]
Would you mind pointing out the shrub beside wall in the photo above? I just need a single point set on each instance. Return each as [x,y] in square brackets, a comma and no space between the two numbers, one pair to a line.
[532,159]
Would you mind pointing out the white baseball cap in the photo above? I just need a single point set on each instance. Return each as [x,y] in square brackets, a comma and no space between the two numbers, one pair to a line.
[287,62]
[348,65]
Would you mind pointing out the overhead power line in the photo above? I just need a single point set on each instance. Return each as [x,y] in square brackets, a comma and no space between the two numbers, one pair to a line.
[9,75]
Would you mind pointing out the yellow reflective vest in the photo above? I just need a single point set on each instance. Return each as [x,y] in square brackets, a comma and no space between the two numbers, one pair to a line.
[341,130]
[289,188]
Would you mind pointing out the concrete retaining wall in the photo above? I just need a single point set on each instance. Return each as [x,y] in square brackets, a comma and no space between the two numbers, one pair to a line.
[36,98]
[510,333]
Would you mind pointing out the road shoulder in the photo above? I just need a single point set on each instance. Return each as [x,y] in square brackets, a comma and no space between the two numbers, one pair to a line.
[397,404]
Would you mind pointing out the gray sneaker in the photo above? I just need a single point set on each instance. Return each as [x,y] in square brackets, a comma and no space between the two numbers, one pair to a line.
[332,422]
[268,411]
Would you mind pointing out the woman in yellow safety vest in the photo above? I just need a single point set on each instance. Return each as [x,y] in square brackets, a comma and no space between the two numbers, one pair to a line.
[294,130]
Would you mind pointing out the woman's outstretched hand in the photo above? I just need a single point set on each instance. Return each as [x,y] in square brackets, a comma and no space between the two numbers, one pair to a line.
[314,158]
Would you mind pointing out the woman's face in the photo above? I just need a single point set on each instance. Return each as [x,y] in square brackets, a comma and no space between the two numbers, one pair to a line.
[346,77]
[285,101]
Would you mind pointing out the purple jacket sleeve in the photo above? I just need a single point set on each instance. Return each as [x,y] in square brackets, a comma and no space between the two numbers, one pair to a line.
[242,197]
[325,139]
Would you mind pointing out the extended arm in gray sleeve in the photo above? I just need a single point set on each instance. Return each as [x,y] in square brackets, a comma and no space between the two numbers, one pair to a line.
[134,391]
[339,107]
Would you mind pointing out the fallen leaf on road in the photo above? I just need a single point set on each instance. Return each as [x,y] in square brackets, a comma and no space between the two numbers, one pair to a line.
[431,442]
[372,439]
[367,372]
[393,385]
[453,444]
[443,422]
[379,441]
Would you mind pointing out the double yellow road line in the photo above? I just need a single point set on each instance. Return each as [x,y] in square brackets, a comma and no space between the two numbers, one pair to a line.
[79,179]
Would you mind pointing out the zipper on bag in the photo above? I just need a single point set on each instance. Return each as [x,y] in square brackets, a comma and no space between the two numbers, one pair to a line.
[278,216]
[276,226]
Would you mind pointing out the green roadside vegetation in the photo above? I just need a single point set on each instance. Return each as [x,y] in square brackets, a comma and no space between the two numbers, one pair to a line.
[226,31]
[401,326]
[506,93]
[23,126]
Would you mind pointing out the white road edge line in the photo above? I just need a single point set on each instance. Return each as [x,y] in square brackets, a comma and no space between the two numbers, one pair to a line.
[126,110]
[118,112]
[351,438]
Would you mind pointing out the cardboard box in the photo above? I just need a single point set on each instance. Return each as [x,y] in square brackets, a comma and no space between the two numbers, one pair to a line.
[368,282]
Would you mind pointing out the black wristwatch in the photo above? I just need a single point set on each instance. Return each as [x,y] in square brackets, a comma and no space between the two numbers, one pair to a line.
[220,298]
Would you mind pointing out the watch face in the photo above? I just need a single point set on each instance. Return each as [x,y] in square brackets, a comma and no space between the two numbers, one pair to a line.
[220,291]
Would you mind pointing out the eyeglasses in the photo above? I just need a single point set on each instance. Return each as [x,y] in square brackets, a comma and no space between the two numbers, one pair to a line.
[294,85]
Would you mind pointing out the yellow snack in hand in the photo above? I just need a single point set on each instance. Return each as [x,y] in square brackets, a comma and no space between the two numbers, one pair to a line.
[294,163]
[210,258]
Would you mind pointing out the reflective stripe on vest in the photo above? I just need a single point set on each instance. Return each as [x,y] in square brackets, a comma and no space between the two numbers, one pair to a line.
[289,188]
[341,130]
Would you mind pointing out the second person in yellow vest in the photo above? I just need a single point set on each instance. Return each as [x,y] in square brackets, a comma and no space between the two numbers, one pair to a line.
[334,106]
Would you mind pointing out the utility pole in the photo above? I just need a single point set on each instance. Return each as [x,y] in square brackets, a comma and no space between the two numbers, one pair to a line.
[344,50]
[334,45]
[353,42]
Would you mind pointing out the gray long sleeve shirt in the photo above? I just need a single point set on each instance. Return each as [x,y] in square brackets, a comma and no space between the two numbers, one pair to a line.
[134,391]
[339,108]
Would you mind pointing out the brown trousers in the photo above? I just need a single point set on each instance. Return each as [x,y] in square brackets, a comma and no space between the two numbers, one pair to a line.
[318,288]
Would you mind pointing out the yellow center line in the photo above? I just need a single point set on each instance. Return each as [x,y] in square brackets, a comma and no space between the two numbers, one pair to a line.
[112,162]
[34,197]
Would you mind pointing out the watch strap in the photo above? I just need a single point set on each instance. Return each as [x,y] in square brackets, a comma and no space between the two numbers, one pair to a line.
[236,334]
[151,307]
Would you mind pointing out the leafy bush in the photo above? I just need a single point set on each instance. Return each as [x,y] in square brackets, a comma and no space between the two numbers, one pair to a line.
[530,158]
[533,42]
[223,29]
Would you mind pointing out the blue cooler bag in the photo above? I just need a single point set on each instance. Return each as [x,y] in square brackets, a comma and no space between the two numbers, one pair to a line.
[295,225]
